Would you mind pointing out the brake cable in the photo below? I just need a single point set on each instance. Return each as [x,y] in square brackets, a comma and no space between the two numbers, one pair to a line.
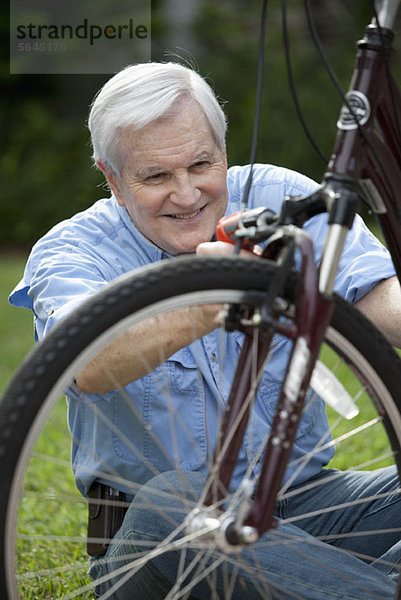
[248,184]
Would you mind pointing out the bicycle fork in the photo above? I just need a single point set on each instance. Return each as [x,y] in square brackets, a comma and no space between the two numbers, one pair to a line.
[313,312]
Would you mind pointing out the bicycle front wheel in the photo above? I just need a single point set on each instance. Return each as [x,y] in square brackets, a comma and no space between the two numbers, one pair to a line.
[157,448]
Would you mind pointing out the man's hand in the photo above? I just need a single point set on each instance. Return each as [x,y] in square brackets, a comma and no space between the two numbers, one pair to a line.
[225,249]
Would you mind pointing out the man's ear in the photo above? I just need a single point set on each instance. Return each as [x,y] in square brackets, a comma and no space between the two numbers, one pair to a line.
[113,181]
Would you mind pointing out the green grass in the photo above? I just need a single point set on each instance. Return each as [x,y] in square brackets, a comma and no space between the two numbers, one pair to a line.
[369,445]
[16,324]
[51,506]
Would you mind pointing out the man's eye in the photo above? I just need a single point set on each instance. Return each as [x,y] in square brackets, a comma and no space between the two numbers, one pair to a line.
[200,164]
[155,177]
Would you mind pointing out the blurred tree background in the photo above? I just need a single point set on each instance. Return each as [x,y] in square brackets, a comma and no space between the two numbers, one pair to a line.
[45,163]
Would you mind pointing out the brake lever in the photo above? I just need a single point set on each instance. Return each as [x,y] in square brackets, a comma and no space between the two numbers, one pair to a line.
[247,226]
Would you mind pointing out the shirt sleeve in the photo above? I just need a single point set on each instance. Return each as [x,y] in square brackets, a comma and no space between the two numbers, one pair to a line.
[364,262]
[57,279]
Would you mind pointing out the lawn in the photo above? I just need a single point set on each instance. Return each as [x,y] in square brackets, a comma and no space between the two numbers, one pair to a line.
[16,328]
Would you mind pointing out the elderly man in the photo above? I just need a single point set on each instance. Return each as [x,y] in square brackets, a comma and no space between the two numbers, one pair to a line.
[158,135]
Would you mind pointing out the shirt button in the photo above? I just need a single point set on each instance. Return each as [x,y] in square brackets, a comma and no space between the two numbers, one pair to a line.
[213,357]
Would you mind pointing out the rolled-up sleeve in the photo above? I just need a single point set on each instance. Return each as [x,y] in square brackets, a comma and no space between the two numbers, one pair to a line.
[364,262]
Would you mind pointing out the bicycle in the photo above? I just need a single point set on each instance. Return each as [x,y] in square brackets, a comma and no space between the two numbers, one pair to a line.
[263,303]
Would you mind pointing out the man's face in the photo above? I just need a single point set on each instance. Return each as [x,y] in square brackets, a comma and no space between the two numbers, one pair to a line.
[173,183]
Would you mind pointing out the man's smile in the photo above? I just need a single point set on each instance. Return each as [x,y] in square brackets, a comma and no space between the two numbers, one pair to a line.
[187,216]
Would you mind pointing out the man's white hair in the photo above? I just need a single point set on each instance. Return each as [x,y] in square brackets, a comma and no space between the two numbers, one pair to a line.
[140,94]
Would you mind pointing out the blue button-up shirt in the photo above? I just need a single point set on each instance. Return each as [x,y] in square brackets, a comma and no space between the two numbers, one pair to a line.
[114,437]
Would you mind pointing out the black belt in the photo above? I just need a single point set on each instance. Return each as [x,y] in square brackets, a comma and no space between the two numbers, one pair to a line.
[106,512]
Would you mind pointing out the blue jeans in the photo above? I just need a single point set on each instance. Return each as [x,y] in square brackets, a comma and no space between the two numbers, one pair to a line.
[309,555]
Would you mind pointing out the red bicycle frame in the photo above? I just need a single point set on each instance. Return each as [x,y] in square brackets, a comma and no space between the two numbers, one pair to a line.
[368,144]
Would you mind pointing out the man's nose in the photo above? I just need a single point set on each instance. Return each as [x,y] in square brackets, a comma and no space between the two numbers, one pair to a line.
[184,190]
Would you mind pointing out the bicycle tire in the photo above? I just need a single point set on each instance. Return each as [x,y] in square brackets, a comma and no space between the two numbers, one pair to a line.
[26,404]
